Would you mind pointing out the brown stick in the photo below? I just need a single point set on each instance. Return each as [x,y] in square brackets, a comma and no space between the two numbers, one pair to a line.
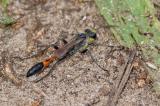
[8,70]
[122,80]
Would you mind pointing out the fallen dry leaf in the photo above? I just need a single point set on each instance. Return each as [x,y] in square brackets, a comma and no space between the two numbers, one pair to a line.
[18,24]
[135,64]
[143,75]
[121,60]
[9,73]
[141,83]
[40,33]
[36,103]
[151,65]
[103,91]
[39,91]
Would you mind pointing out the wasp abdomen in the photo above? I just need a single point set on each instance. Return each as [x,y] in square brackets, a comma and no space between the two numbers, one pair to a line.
[35,69]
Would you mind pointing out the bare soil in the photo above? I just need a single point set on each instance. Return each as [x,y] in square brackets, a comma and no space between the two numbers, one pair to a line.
[77,81]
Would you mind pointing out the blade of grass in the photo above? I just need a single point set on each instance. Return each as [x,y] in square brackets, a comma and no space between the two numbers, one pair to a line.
[134,19]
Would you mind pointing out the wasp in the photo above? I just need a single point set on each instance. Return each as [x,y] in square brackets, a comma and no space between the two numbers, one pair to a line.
[80,42]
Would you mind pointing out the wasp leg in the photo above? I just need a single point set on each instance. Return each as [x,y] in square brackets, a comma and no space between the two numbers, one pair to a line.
[38,54]
[95,61]
[45,75]
[41,52]
[84,48]
[55,47]
[83,51]
[64,41]
[41,78]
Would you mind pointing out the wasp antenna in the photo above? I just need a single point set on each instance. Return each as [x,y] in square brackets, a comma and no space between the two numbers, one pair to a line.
[94,60]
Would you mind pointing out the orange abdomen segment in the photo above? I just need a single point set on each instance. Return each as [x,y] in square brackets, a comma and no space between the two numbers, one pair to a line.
[49,60]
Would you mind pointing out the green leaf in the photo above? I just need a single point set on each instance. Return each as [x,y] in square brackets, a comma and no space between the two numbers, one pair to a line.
[136,23]
[5,3]
[7,20]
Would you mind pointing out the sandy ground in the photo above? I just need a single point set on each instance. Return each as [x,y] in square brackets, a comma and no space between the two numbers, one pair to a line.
[76,81]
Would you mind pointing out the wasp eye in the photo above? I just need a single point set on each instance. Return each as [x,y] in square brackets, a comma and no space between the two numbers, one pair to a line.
[87,31]
[91,33]
[82,35]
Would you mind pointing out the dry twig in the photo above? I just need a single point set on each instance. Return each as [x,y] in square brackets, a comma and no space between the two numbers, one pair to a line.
[122,79]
